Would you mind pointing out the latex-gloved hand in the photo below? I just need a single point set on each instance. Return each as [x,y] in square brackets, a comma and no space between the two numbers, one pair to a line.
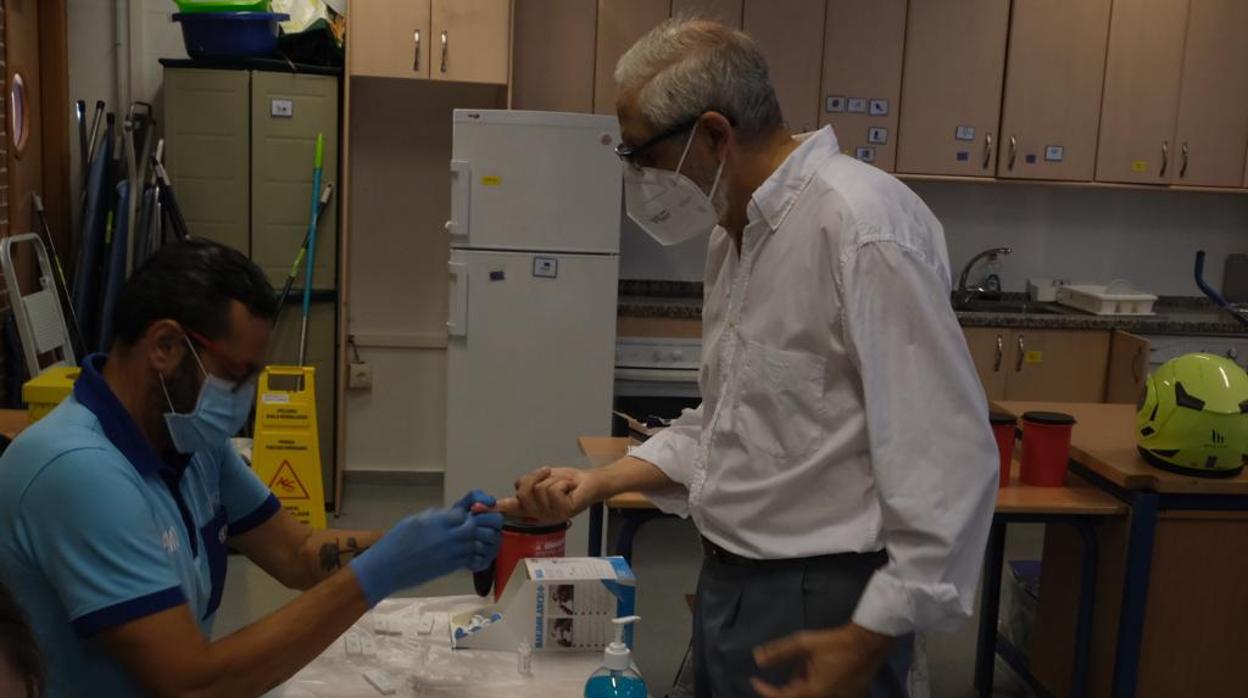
[423,547]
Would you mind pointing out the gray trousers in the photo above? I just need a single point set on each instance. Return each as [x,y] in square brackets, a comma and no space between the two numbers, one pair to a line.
[740,607]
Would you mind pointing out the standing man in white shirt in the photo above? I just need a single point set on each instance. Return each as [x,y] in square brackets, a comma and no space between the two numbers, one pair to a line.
[840,468]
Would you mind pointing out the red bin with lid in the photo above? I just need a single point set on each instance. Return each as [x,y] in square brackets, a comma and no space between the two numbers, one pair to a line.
[1046,448]
[521,539]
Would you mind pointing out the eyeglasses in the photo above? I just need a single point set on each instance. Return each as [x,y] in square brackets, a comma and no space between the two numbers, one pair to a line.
[241,372]
[629,154]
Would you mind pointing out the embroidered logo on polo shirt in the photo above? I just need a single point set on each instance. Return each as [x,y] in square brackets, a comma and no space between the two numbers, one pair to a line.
[169,540]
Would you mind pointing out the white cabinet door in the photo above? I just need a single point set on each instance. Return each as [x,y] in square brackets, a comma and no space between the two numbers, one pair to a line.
[530,368]
[535,181]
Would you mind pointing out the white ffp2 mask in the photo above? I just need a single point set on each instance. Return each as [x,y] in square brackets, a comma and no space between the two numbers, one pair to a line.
[669,206]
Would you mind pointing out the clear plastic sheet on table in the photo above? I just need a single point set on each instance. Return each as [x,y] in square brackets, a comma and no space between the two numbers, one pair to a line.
[425,665]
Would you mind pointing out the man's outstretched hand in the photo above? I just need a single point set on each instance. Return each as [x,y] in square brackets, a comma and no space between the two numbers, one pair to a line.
[551,495]
[836,663]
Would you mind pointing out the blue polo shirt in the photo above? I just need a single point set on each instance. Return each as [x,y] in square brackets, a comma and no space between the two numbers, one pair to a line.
[97,530]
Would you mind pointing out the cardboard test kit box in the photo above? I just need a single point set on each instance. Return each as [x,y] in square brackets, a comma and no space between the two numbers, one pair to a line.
[553,604]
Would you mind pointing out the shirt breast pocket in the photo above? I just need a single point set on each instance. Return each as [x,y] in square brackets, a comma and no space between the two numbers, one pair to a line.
[781,407]
[214,534]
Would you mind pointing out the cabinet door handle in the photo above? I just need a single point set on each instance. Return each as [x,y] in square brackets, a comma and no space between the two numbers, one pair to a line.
[1013,151]
[416,51]
[987,149]
[996,362]
[445,46]
[1183,160]
[1165,158]
[1022,352]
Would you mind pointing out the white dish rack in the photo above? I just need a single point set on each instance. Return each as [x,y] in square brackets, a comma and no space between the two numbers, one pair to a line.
[1116,298]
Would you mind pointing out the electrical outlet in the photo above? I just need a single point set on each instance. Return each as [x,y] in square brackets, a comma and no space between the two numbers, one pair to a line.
[360,377]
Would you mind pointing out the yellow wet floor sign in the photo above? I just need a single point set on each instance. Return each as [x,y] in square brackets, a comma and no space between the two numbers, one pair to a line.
[286,454]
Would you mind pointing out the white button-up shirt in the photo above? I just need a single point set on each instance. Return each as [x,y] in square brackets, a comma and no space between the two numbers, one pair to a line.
[840,410]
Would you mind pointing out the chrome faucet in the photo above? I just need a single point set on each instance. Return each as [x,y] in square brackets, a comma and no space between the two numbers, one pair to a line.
[963,294]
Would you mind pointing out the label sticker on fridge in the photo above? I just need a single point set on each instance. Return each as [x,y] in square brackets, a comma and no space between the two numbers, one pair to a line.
[963,155]
[491,181]
[835,104]
[1030,158]
[965,133]
[546,267]
[877,135]
[857,105]
[865,154]
[498,275]
[1139,166]
[878,107]
[1054,153]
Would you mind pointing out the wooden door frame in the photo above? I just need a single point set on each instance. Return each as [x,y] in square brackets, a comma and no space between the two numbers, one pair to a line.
[54,80]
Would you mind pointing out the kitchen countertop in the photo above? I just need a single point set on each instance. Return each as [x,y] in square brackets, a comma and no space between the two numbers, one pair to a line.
[1177,315]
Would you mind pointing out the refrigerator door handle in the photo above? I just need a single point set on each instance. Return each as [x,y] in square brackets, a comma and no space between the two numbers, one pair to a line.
[457,318]
[461,199]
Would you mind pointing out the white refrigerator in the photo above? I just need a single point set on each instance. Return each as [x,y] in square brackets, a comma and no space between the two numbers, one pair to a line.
[535,234]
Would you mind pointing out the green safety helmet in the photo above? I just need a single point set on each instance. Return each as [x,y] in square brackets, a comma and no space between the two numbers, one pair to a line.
[1193,418]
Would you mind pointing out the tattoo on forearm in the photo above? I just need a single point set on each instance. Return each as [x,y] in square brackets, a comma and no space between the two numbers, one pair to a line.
[330,556]
[332,553]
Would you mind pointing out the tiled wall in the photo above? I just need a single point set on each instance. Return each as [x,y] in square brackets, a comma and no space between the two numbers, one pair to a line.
[1146,237]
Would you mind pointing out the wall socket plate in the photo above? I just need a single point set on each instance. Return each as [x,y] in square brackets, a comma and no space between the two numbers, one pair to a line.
[360,376]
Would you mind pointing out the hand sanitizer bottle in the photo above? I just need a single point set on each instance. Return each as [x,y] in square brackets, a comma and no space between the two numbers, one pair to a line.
[617,678]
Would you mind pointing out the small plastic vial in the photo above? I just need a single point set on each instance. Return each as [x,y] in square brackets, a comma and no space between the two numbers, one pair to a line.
[524,659]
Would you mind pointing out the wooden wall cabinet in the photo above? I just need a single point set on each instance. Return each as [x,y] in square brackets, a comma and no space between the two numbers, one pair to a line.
[951,87]
[390,38]
[1143,74]
[553,62]
[723,11]
[1058,365]
[1052,102]
[452,40]
[620,24]
[1212,131]
[863,45]
[790,35]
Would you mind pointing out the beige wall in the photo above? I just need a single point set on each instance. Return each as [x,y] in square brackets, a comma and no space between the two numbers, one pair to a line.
[400,197]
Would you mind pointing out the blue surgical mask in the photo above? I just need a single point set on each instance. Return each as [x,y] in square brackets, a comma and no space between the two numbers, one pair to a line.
[219,413]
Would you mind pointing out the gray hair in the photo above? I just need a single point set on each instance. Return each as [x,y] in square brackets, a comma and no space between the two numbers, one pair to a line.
[684,67]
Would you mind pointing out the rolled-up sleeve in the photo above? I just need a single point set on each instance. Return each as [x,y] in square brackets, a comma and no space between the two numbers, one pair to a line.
[933,456]
[673,451]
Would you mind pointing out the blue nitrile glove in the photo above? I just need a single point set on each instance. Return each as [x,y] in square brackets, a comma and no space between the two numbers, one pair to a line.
[489,526]
[425,546]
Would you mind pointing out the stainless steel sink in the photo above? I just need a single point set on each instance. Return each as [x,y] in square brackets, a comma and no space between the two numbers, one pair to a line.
[1008,307]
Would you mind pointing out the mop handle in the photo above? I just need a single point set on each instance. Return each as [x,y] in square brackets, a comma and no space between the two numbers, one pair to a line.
[316,192]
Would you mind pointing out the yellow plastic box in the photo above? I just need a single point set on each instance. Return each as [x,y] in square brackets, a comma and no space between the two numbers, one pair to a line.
[45,391]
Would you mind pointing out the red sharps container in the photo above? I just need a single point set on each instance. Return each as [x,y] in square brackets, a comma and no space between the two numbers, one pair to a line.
[521,539]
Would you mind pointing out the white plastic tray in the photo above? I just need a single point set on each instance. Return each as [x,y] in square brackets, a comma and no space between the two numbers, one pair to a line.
[1118,298]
